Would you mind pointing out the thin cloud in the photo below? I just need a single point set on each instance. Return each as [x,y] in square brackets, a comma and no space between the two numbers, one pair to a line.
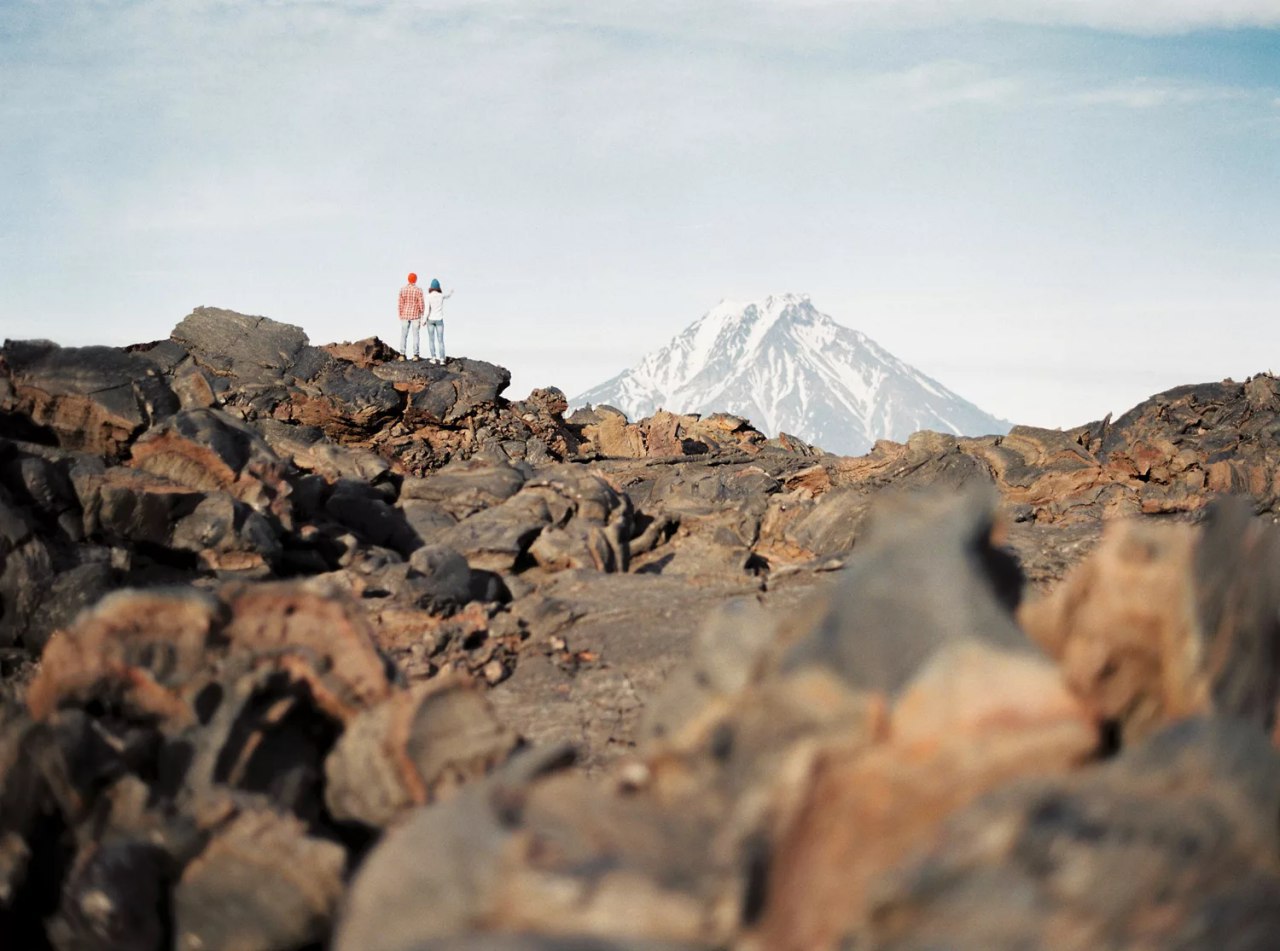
[1125,16]
[1143,93]
[945,83]
[812,22]
[1134,16]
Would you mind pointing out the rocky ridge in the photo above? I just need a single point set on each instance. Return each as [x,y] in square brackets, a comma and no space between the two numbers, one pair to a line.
[309,646]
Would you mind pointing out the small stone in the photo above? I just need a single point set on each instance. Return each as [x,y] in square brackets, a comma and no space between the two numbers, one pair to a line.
[494,672]
[633,776]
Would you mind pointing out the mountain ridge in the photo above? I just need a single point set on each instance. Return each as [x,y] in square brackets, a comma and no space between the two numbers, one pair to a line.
[787,366]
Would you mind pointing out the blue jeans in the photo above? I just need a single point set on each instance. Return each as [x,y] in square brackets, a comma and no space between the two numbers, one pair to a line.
[435,337]
[404,335]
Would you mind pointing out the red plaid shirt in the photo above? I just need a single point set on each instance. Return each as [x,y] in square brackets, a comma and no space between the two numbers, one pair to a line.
[411,303]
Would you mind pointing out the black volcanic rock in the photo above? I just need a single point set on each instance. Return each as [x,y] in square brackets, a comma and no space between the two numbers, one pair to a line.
[26,574]
[243,348]
[210,450]
[344,400]
[445,394]
[92,398]
[465,488]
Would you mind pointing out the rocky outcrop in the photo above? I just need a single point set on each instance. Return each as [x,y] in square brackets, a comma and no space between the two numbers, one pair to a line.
[308,646]
[92,398]
[1172,454]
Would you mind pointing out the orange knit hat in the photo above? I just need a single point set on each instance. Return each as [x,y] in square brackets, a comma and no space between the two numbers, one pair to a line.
[413,278]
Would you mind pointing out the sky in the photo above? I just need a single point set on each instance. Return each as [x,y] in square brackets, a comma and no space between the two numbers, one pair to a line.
[1055,208]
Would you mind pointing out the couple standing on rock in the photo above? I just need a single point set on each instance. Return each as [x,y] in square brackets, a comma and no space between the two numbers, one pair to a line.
[412,310]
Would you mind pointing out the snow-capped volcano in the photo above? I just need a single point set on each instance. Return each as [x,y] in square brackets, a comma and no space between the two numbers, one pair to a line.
[788,367]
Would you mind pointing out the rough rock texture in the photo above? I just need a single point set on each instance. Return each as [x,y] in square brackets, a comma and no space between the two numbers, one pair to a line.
[1166,847]
[92,398]
[1146,626]
[413,748]
[261,882]
[311,646]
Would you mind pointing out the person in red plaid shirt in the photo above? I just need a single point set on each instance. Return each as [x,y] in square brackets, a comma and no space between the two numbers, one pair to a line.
[412,307]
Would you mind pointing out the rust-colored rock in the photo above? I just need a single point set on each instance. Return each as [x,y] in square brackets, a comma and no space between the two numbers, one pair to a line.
[414,748]
[1167,621]
[95,399]
[208,450]
[1165,847]
[369,352]
[345,400]
[666,437]
[974,719]
[138,650]
[322,640]
[611,435]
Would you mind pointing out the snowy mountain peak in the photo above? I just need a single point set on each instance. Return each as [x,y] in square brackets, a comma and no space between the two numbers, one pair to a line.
[760,316]
[788,367]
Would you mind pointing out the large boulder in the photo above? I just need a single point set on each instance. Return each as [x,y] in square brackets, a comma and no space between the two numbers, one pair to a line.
[260,882]
[591,522]
[267,369]
[242,348]
[1172,845]
[606,431]
[345,400]
[464,488]
[95,399]
[365,510]
[309,450]
[413,748]
[209,450]
[446,394]
[922,619]
[1166,621]
[928,575]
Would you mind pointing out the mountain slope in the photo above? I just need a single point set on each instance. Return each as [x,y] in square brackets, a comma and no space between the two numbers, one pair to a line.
[790,368]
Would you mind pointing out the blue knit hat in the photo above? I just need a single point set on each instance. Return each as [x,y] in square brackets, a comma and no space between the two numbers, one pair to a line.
[435,285]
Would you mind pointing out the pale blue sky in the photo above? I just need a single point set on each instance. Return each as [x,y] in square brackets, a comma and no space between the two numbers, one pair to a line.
[1056,208]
